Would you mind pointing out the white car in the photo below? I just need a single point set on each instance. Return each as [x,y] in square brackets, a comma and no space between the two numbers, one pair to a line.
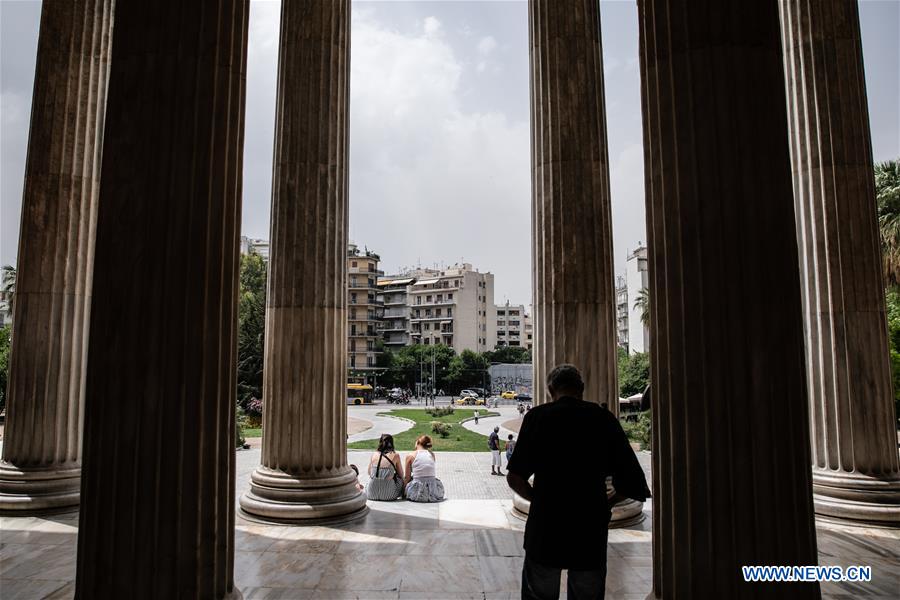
[465,393]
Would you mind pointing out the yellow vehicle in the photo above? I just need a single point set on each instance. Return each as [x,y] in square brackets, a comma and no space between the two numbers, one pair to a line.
[508,395]
[470,400]
[359,393]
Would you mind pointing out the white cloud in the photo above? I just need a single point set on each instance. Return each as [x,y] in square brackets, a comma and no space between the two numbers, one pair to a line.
[432,26]
[486,45]
[429,180]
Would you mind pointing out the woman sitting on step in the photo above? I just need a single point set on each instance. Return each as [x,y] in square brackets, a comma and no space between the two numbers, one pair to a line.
[421,483]
[385,471]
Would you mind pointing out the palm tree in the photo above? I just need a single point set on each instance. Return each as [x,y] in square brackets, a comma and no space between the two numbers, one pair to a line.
[887,198]
[7,288]
[642,303]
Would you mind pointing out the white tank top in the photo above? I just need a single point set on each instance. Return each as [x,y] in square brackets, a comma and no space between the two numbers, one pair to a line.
[423,465]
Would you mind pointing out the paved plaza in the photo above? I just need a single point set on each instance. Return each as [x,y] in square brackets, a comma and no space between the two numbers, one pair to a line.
[467,547]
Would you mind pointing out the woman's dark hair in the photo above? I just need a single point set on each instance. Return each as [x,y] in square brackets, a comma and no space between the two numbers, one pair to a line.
[355,469]
[386,443]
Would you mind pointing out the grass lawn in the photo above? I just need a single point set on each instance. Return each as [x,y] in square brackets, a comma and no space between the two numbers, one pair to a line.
[459,440]
[253,433]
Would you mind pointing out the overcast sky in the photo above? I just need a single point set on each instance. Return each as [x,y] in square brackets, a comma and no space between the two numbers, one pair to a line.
[439,143]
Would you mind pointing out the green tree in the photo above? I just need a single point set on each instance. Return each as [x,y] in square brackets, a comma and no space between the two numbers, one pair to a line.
[634,372]
[4,363]
[508,355]
[887,198]
[469,369]
[410,364]
[251,329]
[642,303]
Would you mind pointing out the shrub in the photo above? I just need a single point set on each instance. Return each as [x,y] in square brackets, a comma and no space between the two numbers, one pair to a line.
[439,412]
[639,431]
[240,422]
[254,407]
[442,429]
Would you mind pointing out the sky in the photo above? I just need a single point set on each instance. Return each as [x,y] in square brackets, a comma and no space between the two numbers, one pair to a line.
[439,131]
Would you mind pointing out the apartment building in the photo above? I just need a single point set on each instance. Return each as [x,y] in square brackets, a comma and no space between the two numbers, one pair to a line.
[510,325]
[453,306]
[364,309]
[395,326]
[636,279]
[529,329]
[622,312]
[255,246]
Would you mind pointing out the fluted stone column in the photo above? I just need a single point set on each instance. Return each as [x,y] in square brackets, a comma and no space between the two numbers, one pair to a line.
[572,252]
[41,466]
[731,479]
[304,476]
[856,475]
[157,510]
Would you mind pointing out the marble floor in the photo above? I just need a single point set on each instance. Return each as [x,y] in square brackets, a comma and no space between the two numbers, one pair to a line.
[462,548]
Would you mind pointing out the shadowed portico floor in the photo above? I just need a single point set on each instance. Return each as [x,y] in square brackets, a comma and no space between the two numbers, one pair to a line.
[466,547]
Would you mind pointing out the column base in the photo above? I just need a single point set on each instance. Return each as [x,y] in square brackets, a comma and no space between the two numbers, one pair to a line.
[854,498]
[278,497]
[624,514]
[38,491]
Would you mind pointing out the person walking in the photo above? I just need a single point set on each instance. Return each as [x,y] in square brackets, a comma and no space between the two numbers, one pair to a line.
[510,447]
[568,520]
[494,445]
[476,417]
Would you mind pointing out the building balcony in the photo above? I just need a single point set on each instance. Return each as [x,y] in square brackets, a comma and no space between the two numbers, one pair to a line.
[434,303]
[363,334]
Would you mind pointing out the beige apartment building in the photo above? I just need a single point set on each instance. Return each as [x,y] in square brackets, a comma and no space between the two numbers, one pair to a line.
[395,325]
[510,325]
[364,311]
[453,306]
[528,342]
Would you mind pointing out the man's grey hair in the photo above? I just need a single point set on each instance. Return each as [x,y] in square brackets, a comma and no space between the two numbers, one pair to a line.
[565,377]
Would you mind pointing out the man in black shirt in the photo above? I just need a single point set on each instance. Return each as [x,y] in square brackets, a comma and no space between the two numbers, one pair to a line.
[570,446]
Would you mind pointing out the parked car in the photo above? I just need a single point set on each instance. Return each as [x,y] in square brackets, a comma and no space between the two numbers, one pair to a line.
[508,395]
[471,393]
[523,398]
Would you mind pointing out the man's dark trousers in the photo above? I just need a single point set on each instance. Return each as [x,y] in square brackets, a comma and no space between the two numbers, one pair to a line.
[542,583]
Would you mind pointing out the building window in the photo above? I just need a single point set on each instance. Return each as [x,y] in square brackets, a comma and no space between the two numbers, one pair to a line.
[352,360]
[427,298]
[437,312]
[440,298]
[427,341]
[449,296]
[352,313]
[353,263]
[427,312]
[427,326]
[449,312]
[353,298]
[418,299]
